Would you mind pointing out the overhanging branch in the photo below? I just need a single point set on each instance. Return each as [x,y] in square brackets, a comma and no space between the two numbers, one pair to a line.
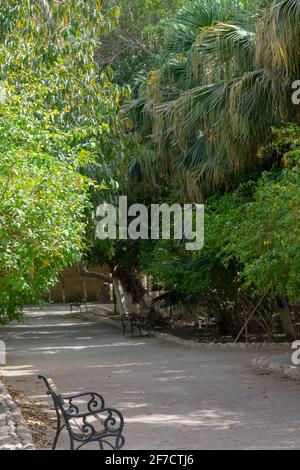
[92,274]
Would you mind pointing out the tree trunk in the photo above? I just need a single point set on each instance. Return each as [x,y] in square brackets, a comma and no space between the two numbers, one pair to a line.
[129,292]
[121,304]
[287,324]
[63,291]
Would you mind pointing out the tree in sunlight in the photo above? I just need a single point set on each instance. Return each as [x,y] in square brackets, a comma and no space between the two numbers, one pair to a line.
[58,120]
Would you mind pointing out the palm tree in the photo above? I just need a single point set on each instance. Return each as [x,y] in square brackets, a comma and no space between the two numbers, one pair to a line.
[223,82]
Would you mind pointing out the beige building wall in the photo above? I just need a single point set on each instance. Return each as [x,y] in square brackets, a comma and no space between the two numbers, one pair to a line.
[72,287]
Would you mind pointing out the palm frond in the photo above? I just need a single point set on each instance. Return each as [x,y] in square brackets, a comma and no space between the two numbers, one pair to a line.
[224,83]
[278,36]
[227,44]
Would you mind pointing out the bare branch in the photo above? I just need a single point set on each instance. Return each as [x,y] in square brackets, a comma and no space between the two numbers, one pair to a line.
[92,274]
[134,42]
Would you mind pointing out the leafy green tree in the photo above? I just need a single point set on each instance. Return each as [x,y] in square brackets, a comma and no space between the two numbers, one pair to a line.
[265,237]
[137,38]
[251,246]
[58,120]
[42,209]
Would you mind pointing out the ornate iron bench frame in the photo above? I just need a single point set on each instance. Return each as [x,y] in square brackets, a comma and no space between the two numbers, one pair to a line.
[135,322]
[78,304]
[67,411]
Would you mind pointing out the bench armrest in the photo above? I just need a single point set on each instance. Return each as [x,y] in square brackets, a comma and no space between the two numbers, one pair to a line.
[94,402]
[113,420]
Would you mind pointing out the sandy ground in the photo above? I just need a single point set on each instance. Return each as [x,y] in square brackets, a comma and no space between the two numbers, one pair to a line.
[172,397]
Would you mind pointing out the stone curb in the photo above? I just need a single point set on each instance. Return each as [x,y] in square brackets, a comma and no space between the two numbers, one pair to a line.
[270,366]
[225,346]
[14,433]
[203,346]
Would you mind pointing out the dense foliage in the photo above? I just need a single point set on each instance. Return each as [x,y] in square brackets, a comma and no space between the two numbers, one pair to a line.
[264,233]
[209,118]
[42,202]
[251,243]
[218,90]
[58,116]
[205,114]
[256,228]
[137,38]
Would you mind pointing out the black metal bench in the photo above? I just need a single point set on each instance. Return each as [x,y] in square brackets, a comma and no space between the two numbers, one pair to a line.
[86,419]
[135,322]
[78,304]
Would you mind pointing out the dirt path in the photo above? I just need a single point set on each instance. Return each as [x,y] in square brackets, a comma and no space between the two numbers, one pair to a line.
[172,397]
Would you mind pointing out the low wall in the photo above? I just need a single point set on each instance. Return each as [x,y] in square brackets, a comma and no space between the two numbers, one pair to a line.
[72,286]
[14,433]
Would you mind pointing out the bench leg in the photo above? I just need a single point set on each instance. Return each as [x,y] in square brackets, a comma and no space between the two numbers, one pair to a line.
[148,329]
[124,323]
[72,447]
[120,441]
[132,326]
[58,431]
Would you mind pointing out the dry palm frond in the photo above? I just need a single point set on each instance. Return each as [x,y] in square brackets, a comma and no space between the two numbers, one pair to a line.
[222,86]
